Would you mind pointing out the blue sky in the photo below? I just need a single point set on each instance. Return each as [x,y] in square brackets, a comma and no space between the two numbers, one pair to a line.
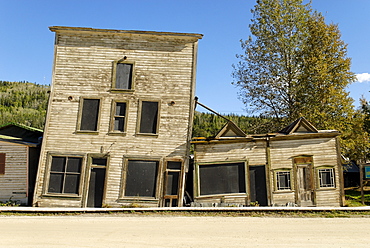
[26,44]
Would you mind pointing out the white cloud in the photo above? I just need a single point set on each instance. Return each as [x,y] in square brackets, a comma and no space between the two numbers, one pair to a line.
[363,77]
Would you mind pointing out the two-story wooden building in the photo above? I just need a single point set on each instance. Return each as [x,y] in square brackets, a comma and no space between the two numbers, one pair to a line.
[119,120]
[298,166]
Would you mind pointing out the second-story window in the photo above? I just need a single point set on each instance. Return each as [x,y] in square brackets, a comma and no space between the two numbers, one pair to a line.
[118,117]
[123,76]
[89,115]
[148,122]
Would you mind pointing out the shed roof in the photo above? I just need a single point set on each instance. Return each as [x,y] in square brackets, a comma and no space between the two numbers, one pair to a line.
[115,31]
[16,131]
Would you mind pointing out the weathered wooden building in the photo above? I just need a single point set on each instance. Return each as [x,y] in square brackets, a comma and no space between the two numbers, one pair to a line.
[298,166]
[19,155]
[119,120]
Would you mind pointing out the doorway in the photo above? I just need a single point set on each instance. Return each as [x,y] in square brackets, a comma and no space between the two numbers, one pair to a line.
[305,193]
[96,189]
[257,182]
[172,184]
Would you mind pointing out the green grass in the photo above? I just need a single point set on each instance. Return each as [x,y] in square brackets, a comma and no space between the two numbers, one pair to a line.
[353,197]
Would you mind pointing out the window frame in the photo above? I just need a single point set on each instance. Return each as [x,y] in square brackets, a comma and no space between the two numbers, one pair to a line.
[221,163]
[113,116]
[114,76]
[139,115]
[319,178]
[276,184]
[80,113]
[172,199]
[158,180]
[48,172]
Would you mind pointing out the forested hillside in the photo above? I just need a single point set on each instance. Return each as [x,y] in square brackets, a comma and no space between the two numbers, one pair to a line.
[24,103]
[208,125]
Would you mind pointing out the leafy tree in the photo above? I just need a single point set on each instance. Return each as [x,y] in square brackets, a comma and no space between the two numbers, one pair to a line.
[325,74]
[295,65]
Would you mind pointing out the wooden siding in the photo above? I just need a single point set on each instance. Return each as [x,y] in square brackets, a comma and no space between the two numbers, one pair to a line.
[253,152]
[281,153]
[13,184]
[163,71]
[323,152]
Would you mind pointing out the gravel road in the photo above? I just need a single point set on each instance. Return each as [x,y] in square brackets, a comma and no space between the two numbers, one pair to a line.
[170,231]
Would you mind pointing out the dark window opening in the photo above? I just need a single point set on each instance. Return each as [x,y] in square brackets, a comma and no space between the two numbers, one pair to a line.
[90,115]
[119,117]
[174,165]
[141,178]
[2,163]
[172,184]
[65,175]
[222,178]
[124,76]
[149,117]
[99,161]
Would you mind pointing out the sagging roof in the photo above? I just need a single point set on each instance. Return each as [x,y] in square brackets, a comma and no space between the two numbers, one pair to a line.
[300,128]
[21,133]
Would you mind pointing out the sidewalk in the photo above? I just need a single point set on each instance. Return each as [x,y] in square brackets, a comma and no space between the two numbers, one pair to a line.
[180,209]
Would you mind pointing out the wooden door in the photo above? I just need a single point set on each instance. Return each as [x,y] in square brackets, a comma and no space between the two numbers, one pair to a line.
[257,182]
[95,194]
[305,192]
[172,184]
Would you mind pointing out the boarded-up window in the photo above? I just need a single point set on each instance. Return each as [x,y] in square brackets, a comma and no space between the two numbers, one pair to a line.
[141,178]
[283,180]
[65,175]
[222,178]
[119,116]
[326,178]
[90,115]
[149,117]
[124,76]
[2,163]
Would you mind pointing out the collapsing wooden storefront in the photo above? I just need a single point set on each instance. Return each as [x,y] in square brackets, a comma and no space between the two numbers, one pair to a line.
[119,119]
[298,166]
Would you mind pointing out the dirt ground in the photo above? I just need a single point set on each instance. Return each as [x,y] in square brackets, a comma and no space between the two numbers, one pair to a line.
[172,231]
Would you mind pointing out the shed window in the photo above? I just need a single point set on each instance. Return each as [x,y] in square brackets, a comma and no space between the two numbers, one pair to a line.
[141,178]
[326,178]
[2,163]
[222,178]
[283,180]
[119,117]
[65,173]
[89,115]
[149,117]
[123,76]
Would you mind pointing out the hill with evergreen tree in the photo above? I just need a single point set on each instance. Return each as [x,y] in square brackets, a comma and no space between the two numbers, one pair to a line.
[208,125]
[24,103]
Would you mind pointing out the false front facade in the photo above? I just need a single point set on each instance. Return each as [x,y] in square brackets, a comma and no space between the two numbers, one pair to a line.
[119,118]
[299,166]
